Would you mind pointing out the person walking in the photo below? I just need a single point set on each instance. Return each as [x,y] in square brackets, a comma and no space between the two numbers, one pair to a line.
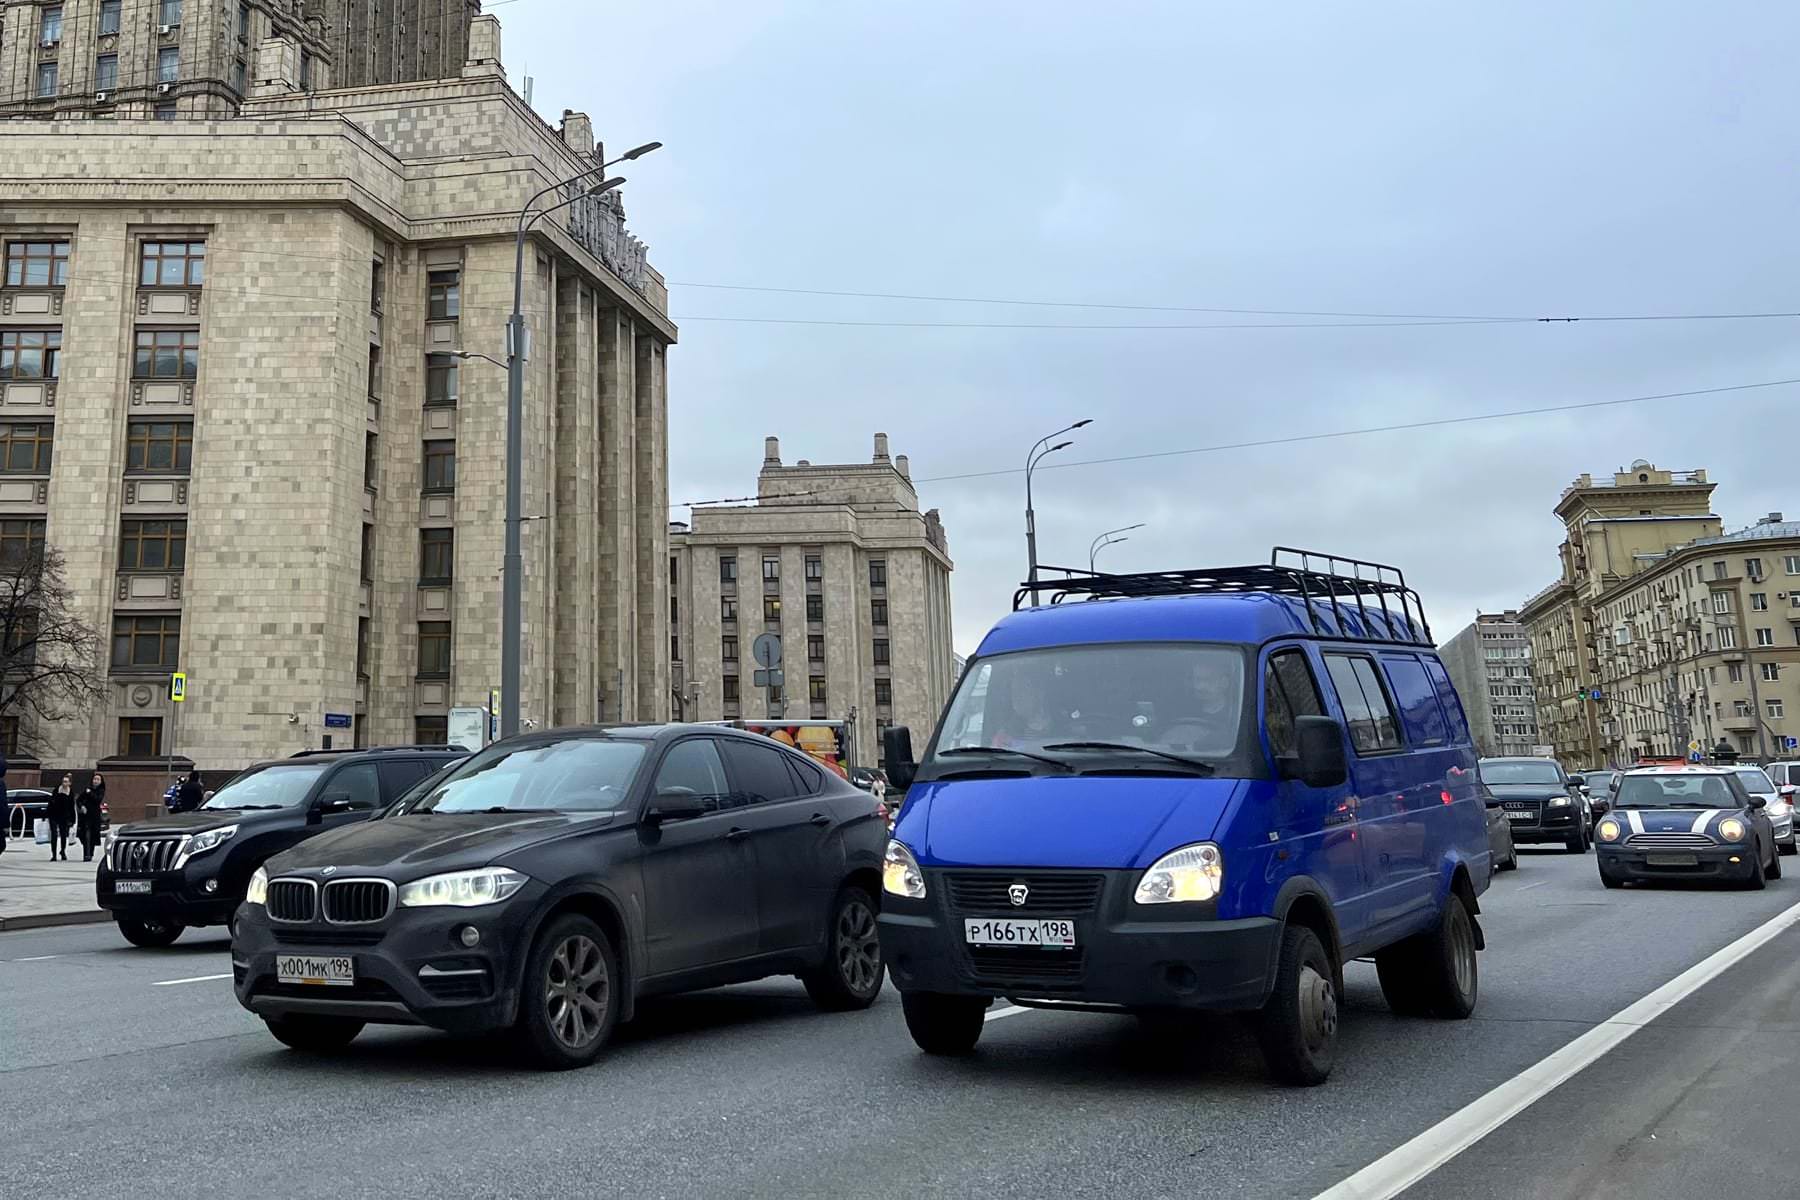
[192,792]
[62,818]
[88,807]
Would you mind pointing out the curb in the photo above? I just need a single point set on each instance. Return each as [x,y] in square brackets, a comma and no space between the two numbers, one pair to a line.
[50,920]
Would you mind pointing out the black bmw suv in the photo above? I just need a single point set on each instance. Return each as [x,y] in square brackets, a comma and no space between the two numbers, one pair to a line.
[555,879]
[160,876]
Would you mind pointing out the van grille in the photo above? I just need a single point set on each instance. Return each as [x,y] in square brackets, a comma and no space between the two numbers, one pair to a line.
[1007,966]
[357,901]
[1071,893]
[144,856]
[292,900]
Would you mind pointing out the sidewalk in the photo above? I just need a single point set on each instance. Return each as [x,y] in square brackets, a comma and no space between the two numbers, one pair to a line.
[36,892]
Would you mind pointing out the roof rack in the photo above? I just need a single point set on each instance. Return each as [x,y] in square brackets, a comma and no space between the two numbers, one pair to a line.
[1326,584]
[437,746]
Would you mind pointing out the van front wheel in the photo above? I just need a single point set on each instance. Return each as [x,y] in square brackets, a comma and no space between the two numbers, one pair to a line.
[1433,974]
[944,1024]
[1298,1025]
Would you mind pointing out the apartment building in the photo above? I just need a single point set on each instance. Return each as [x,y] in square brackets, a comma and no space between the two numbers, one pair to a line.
[1490,663]
[838,562]
[246,390]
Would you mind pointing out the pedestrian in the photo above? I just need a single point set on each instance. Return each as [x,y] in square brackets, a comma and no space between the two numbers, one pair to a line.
[192,792]
[88,807]
[62,817]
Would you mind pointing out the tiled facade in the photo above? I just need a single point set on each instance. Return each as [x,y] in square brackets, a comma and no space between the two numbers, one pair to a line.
[1490,664]
[841,564]
[339,493]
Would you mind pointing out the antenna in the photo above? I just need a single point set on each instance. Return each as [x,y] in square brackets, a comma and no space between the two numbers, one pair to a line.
[528,83]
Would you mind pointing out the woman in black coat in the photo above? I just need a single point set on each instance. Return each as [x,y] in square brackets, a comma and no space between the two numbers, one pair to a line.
[88,807]
[62,817]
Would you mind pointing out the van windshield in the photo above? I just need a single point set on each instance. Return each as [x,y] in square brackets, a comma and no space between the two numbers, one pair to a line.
[1175,699]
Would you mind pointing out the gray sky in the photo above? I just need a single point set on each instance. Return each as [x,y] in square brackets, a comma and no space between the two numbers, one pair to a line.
[1519,159]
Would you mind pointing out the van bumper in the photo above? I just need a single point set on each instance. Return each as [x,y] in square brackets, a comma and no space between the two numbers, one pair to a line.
[1206,964]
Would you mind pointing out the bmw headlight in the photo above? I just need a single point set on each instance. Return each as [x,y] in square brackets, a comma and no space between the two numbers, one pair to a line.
[258,891]
[1559,802]
[200,843]
[900,874]
[1731,829]
[462,889]
[1607,830]
[1191,873]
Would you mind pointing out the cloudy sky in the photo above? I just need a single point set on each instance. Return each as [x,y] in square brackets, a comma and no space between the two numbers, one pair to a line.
[1395,158]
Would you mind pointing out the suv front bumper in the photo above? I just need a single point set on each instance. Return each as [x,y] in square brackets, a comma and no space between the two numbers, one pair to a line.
[179,896]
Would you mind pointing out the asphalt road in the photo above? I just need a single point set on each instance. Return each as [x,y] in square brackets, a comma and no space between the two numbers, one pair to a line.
[115,1079]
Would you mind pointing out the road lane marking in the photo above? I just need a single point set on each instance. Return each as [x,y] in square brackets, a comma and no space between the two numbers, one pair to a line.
[38,958]
[995,1014]
[195,979]
[1407,1164]
[1529,886]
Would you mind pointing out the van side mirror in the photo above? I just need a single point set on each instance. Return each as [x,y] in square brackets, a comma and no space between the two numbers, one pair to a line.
[897,757]
[1319,758]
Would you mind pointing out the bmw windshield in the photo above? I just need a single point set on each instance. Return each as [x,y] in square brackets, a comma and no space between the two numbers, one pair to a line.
[573,774]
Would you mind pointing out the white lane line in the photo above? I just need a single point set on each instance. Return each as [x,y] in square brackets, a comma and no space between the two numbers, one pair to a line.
[1529,886]
[1406,1165]
[195,979]
[38,958]
[995,1014]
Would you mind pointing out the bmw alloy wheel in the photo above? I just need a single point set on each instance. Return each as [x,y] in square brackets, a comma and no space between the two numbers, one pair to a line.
[858,947]
[577,991]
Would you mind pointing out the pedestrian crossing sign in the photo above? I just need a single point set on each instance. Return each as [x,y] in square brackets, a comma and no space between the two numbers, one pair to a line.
[178,687]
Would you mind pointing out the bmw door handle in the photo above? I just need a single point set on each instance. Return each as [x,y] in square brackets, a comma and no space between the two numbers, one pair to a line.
[819,819]
[736,834]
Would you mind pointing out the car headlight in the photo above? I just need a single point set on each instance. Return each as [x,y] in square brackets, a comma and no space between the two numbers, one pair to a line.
[258,891]
[1559,802]
[1731,829]
[1191,873]
[462,889]
[900,874]
[1607,830]
[200,843]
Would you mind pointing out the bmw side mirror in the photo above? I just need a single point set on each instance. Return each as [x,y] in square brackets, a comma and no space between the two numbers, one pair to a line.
[1319,760]
[674,804]
[897,757]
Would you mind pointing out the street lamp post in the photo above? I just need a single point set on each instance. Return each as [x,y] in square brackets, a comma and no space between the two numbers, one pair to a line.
[1038,452]
[1107,539]
[512,565]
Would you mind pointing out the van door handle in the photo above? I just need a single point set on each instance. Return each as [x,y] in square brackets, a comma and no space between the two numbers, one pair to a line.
[736,834]
[819,819]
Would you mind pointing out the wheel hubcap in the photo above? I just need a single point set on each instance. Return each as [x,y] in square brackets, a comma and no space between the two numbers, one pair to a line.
[576,991]
[1462,956]
[858,948]
[1318,1009]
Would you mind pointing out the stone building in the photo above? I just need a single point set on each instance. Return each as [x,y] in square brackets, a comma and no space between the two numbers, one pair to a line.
[841,564]
[1490,664]
[256,345]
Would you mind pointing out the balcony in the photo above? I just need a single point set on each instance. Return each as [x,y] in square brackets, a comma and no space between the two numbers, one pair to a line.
[1738,724]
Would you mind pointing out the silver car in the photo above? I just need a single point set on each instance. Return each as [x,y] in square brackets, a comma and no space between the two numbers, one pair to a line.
[1780,812]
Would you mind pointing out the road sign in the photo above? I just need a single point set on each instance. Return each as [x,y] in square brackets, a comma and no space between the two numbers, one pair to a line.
[1696,756]
[1594,695]
[1791,743]
[467,727]
[493,714]
[766,650]
[178,687]
[773,678]
[337,720]
[1693,747]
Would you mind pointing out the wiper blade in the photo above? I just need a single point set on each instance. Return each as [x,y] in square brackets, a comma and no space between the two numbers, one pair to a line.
[1203,767]
[1058,763]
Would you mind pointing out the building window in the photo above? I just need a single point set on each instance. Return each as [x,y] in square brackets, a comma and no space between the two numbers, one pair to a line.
[1727,637]
[1721,570]
[46,80]
[377,285]
[443,382]
[109,17]
[30,354]
[306,71]
[375,373]
[50,32]
[815,567]
[730,686]
[771,568]
[1771,672]
[878,611]
[37,264]
[1765,637]
[674,571]
[815,608]
[167,354]
[106,72]
[674,648]
[172,264]
[168,64]
[21,539]
[140,737]
[1741,708]
[368,554]
[169,13]
[727,608]
[1721,602]
[1759,602]
[1792,564]
[775,699]
[444,294]
[431,731]
[1776,710]
[434,649]
[881,652]
[772,609]
[440,466]
[146,643]
[362,647]
[9,736]
[165,111]
[369,460]
[437,555]
[877,573]
[884,691]
[727,570]
[153,545]
[815,689]
[240,78]
[243,22]
[728,649]
[815,649]
[1753,568]
[1734,672]
[25,449]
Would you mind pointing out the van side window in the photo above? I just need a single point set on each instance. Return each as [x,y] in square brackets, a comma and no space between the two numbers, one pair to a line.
[1419,710]
[1291,693]
[1452,704]
[1373,729]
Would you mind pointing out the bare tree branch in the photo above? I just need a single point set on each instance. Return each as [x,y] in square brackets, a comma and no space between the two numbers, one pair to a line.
[50,660]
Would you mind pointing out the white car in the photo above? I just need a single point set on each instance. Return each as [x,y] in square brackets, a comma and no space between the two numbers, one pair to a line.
[1780,812]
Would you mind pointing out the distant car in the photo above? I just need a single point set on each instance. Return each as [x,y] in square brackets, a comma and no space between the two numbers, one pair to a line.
[1541,802]
[1500,839]
[1785,774]
[28,805]
[1780,810]
[1598,784]
[1686,823]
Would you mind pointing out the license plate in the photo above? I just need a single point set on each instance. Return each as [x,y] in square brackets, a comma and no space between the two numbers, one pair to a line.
[1671,860]
[327,970]
[131,887]
[984,931]
[1520,816]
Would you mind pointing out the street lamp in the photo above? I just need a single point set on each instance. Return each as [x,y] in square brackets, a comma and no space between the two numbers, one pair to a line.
[1031,461]
[512,565]
[1107,539]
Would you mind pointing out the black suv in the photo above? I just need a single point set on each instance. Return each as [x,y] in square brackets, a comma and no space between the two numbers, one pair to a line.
[1542,803]
[158,877]
[555,879]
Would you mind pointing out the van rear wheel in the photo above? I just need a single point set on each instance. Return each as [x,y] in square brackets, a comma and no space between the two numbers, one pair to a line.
[1433,974]
[944,1024]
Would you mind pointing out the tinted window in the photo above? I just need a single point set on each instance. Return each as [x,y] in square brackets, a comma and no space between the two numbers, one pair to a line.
[807,778]
[759,772]
[1448,699]
[1419,710]
[397,777]
[1291,692]
[572,774]
[693,767]
[359,783]
[280,786]
[1365,704]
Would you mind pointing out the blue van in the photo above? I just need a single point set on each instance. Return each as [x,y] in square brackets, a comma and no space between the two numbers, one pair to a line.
[1192,790]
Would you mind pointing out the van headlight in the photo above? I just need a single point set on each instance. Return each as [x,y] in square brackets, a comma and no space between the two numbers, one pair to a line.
[1191,873]
[258,891]
[900,874]
[461,889]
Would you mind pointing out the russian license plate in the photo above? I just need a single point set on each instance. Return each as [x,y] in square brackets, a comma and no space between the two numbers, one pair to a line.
[131,887]
[1671,860]
[1520,816]
[1058,933]
[328,970]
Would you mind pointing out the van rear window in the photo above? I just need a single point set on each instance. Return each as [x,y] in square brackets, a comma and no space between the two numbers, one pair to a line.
[1373,729]
[1419,711]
